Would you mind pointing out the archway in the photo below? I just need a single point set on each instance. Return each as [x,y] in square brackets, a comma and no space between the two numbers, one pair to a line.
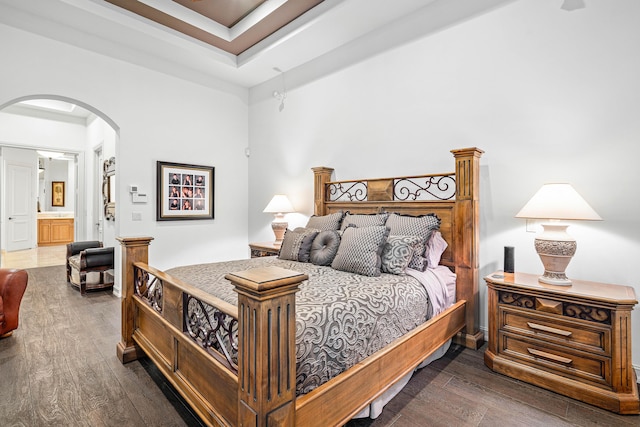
[102,134]
[66,99]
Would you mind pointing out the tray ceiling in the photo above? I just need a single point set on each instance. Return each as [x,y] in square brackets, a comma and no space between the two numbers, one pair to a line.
[239,43]
[230,25]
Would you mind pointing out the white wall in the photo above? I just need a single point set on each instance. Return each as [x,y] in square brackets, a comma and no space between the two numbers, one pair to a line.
[56,170]
[548,94]
[158,118]
[99,134]
[40,133]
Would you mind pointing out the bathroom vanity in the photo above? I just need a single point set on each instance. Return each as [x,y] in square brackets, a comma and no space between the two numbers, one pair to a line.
[55,228]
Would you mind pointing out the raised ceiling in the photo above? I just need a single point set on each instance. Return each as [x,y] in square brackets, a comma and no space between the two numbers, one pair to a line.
[239,42]
[230,25]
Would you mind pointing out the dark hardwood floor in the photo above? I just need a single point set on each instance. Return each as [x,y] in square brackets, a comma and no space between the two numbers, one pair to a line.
[60,369]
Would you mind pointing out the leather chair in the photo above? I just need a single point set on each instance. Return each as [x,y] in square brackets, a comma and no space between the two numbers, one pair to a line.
[87,263]
[12,286]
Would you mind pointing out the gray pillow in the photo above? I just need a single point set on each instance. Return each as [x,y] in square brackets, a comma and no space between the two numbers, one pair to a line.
[397,253]
[324,247]
[296,245]
[363,220]
[360,250]
[422,226]
[326,222]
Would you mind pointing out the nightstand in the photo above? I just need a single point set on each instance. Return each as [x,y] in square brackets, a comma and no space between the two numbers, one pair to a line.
[263,249]
[574,340]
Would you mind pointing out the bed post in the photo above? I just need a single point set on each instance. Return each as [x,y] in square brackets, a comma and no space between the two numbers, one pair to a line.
[266,345]
[321,176]
[467,237]
[134,249]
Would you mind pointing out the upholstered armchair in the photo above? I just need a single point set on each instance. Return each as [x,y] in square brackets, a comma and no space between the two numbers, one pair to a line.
[87,263]
[13,283]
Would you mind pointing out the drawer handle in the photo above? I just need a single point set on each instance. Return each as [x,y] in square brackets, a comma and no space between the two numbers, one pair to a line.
[549,356]
[549,329]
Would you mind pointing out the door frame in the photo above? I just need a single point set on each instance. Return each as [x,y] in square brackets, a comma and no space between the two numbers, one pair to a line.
[97,225]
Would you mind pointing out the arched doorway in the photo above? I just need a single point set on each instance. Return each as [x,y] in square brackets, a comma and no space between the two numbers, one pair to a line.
[54,130]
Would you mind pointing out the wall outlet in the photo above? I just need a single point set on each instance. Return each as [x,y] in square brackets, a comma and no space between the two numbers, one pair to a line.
[136,216]
[532,226]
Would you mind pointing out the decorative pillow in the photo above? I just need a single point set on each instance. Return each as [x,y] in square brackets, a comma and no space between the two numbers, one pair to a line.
[296,245]
[360,250]
[326,222]
[421,226]
[324,247]
[435,248]
[363,220]
[397,253]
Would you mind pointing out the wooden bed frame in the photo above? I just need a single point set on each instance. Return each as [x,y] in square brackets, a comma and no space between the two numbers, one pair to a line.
[260,390]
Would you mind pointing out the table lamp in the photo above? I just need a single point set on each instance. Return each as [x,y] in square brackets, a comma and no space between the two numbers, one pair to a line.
[554,203]
[279,205]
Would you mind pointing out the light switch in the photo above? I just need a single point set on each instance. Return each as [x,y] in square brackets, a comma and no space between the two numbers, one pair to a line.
[139,197]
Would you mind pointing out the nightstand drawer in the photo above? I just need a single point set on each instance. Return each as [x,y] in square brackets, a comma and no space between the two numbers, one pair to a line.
[584,336]
[553,358]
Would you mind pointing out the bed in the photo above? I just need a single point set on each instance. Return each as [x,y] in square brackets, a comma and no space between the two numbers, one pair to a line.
[235,357]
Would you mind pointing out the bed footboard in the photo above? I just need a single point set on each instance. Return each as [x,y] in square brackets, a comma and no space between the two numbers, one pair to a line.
[260,390]
[134,249]
[181,328]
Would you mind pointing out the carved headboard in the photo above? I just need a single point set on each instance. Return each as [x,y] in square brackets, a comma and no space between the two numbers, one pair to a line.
[452,196]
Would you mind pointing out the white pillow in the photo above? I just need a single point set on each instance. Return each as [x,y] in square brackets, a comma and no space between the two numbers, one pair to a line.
[434,250]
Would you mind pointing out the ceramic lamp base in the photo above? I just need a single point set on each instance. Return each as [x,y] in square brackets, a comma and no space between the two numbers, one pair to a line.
[555,248]
[279,228]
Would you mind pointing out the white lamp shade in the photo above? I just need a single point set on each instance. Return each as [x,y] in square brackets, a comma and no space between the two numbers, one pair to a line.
[279,204]
[558,201]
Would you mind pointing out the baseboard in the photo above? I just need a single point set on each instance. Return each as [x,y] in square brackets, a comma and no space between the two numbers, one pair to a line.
[485,331]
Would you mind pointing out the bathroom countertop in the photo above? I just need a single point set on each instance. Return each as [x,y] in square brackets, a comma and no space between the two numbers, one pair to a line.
[53,215]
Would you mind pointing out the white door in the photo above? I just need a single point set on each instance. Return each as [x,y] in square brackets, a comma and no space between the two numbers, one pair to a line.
[19,211]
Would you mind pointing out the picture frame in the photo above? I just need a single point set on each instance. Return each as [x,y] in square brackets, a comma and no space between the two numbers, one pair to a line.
[57,193]
[184,192]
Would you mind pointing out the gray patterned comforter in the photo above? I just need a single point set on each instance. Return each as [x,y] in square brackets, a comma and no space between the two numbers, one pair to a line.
[341,318]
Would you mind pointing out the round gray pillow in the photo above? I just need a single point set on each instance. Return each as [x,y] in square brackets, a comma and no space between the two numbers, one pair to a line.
[324,247]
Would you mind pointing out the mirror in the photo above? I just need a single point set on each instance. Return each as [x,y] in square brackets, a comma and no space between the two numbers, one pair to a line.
[109,189]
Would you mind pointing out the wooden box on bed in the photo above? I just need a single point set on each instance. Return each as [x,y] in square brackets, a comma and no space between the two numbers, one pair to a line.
[260,389]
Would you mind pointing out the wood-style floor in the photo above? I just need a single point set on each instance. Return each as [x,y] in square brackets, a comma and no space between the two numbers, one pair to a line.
[60,369]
